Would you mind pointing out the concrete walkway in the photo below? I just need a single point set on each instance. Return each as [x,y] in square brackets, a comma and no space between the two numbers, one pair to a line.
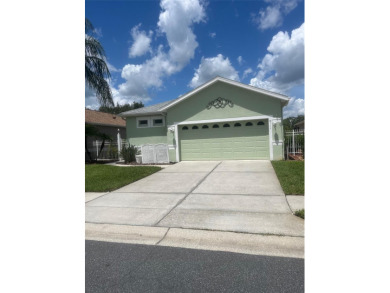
[234,196]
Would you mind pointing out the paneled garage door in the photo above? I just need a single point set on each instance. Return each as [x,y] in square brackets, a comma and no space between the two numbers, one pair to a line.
[224,141]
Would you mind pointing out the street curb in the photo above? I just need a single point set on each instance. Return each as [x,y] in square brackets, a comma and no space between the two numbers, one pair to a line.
[255,244]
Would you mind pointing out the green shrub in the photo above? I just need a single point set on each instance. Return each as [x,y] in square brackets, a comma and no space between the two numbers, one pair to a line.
[300,213]
[113,152]
[128,153]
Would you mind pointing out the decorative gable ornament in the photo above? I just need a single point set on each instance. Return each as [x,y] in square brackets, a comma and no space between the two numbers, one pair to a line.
[220,103]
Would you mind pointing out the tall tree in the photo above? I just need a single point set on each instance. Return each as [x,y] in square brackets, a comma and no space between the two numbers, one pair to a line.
[121,108]
[96,69]
[289,123]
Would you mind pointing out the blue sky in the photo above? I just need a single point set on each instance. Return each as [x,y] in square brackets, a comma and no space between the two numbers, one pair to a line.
[158,50]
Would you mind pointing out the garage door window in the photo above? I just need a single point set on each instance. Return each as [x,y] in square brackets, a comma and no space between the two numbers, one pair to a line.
[205,127]
[195,127]
[185,128]
[226,125]
[237,125]
[215,126]
[260,123]
[249,124]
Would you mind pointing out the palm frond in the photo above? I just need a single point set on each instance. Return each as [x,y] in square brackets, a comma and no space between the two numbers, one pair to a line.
[96,69]
[88,26]
[101,87]
[93,47]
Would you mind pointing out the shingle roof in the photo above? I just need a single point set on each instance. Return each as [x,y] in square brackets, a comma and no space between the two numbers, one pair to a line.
[162,107]
[145,110]
[101,118]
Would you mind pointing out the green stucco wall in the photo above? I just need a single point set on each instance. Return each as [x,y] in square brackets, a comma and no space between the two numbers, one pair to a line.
[147,135]
[246,104]
[278,152]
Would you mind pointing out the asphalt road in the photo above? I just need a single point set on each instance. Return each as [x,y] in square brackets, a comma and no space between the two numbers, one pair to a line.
[118,267]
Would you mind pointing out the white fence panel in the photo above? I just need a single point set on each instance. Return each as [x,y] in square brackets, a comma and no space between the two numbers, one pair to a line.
[295,142]
[154,153]
[110,150]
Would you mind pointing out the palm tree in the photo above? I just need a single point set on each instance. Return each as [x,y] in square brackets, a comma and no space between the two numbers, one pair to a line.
[91,131]
[96,70]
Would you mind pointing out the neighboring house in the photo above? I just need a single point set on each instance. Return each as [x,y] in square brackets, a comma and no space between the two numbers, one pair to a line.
[220,120]
[106,123]
[300,125]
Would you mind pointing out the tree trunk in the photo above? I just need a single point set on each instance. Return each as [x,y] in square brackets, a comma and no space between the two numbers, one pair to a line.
[87,151]
[101,148]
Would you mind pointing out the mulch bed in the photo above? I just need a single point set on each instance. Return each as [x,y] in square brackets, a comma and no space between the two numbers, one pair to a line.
[295,157]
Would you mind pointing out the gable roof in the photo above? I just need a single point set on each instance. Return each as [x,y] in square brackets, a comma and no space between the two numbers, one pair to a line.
[284,98]
[162,107]
[153,109]
[101,118]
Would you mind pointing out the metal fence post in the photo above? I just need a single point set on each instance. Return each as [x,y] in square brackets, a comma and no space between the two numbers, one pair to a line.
[118,137]
[293,141]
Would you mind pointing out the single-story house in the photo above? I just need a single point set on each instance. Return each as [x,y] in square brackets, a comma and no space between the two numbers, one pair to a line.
[219,120]
[109,124]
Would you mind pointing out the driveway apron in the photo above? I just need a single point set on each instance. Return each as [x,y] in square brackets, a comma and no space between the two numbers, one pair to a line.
[238,196]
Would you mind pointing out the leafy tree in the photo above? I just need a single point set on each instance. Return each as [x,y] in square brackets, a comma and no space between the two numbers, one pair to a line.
[288,123]
[121,108]
[91,131]
[96,69]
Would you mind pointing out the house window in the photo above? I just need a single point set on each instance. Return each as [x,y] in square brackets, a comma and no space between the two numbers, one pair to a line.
[185,128]
[205,127]
[150,121]
[215,126]
[158,122]
[143,123]
[249,124]
[237,125]
[195,127]
[226,125]
[260,123]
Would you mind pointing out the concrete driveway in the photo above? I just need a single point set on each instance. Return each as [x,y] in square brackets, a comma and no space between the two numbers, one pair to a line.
[237,196]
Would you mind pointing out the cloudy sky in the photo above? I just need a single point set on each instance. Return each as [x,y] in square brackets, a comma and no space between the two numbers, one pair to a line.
[158,50]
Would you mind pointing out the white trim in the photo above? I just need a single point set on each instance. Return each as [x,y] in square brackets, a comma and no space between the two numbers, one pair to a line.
[177,143]
[223,120]
[150,121]
[271,148]
[143,118]
[228,81]
[157,117]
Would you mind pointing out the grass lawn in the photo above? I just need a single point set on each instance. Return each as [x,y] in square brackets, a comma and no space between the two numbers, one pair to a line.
[291,175]
[100,178]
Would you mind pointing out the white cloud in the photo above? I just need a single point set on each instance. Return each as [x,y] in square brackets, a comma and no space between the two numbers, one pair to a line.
[283,67]
[240,60]
[97,32]
[212,35]
[90,99]
[212,67]
[111,67]
[246,72]
[141,42]
[294,108]
[175,21]
[272,15]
